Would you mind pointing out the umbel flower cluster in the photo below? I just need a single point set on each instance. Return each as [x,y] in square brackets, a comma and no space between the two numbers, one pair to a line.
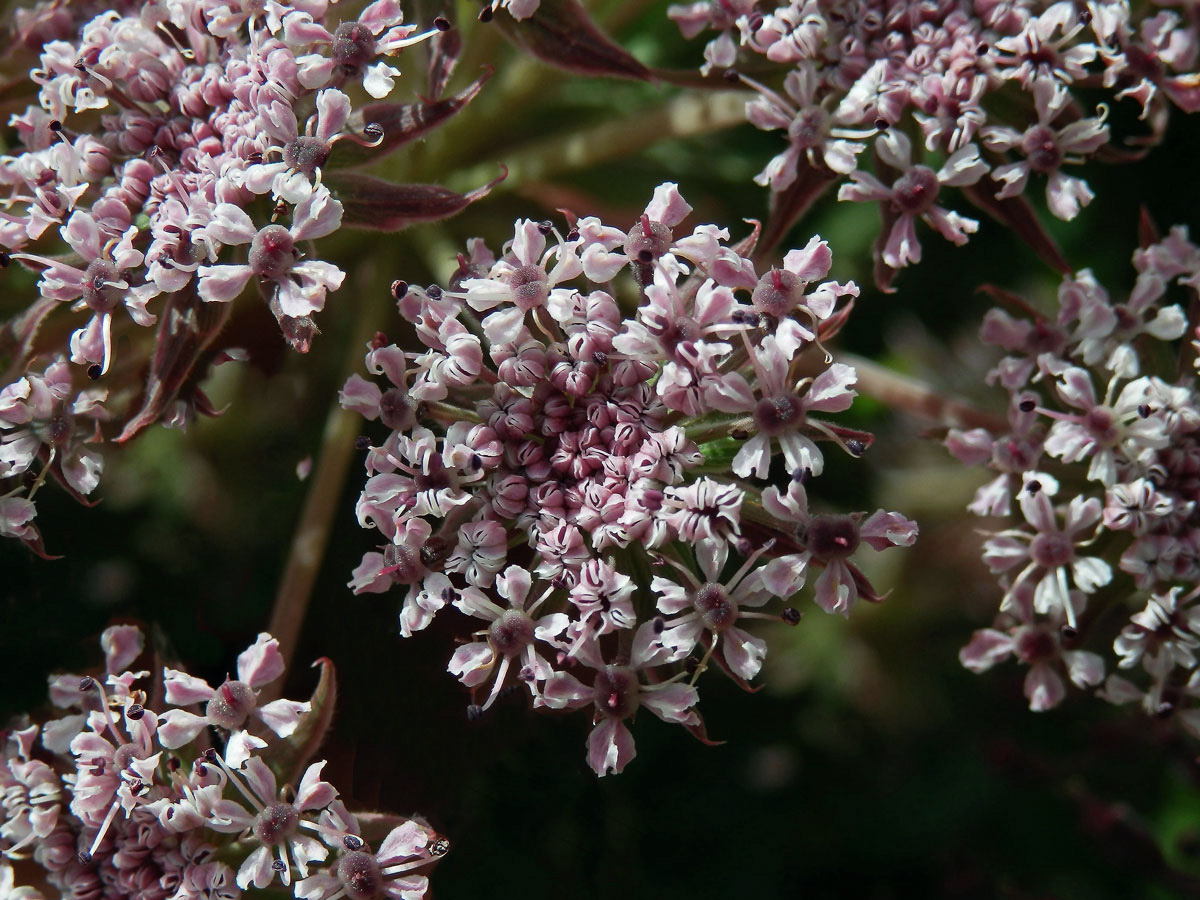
[988,95]
[1102,458]
[601,458]
[115,799]
[174,158]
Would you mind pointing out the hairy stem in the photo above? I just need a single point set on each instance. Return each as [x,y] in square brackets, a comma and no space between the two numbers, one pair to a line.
[320,506]
[915,398]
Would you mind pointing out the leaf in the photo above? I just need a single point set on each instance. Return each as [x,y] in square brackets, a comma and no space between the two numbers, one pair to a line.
[829,329]
[186,329]
[561,34]
[444,51]
[1017,214]
[369,202]
[18,334]
[745,247]
[866,590]
[401,123]
[1148,231]
[289,756]
[788,206]
[699,732]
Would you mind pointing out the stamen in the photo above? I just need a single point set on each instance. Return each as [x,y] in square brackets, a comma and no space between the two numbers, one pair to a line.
[112,812]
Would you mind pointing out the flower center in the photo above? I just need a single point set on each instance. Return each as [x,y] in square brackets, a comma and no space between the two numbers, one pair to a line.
[306,154]
[403,563]
[1041,149]
[511,633]
[615,691]
[276,824]
[672,333]
[353,47]
[396,410]
[647,241]
[125,754]
[1101,424]
[1034,645]
[916,190]
[715,606]
[808,129]
[359,873]
[271,252]
[232,702]
[529,286]
[1052,549]
[832,537]
[99,290]
[777,292]
[775,415]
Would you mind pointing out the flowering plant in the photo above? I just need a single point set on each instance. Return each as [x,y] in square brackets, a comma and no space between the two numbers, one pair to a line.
[613,443]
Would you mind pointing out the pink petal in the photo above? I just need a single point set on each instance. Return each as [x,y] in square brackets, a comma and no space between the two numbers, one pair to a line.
[184,689]
[610,747]
[282,716]
[261,663]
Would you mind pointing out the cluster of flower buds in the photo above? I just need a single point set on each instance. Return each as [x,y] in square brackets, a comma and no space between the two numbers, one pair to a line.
[1102,457]
[179,153]
[114,800]
[612,495]
[959,74]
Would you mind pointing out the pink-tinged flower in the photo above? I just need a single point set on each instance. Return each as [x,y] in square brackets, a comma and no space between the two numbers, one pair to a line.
[1165,634]
[101,286]
[32,795]
[113,772]
[815,135]
[1111,431]
[360,874]
[1045,48]
[723,17]
[781,411]
[299,287]
[480,553]
[1037,644]
[1011,455]
[1137,506]
[1048,555]
[1161,56]
[715,605]
[510,639]
[1108,334]
[519,281]
[122,644]
[616,693]
[1046,148]
[830,541]
[706,511]
[394,407]
[353,45]
[301,156]
[229,706]
[913,194]
[16,520]
[43,417]
[272,822]
[518,9]
[604,600]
